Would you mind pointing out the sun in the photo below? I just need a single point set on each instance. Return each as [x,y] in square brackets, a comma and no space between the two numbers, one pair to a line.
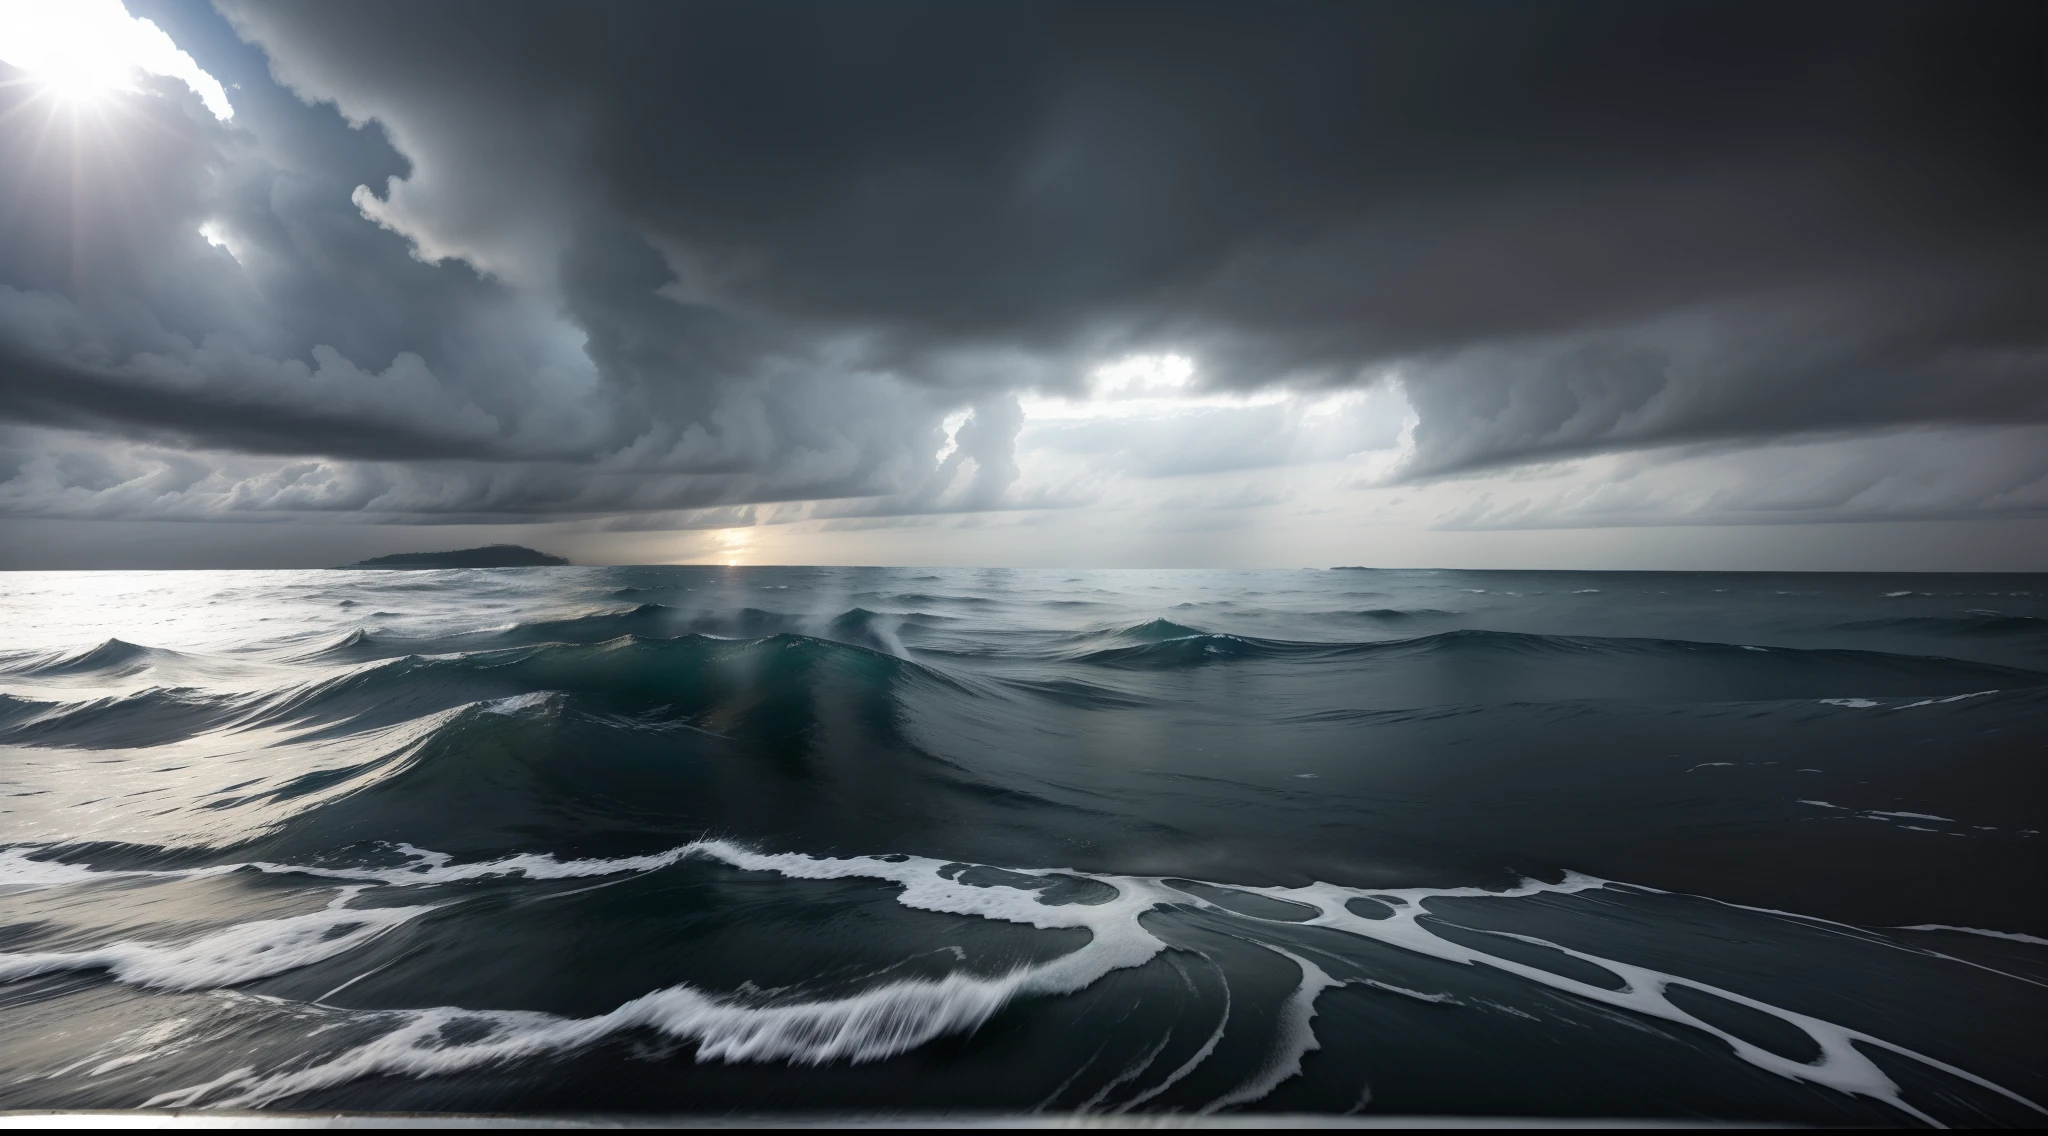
[65,49]
[82,51]
[79,81]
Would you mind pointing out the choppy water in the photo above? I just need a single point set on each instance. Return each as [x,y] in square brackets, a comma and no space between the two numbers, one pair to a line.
[703,839]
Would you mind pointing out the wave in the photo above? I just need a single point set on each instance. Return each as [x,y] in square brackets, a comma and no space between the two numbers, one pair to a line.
[923,599]
[1079,695]
[770,686]
[733,686]
[882,1019]
[647,620]
[1195,650]
[606,740]
[1974,623]
[1162,645]
[154,716]
[238,954]
[688,676]
[856,626]
[114,658]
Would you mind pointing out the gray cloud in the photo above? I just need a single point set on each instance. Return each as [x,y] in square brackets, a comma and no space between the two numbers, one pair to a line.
[1300,196]
[494,261]
[1901,475]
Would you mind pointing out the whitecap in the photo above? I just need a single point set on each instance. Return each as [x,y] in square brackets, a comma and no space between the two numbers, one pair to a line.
[518,702]
[897,1016]
[233,955]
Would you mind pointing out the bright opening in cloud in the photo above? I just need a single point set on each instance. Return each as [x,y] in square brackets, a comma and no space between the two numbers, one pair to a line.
[1144,386]
[218,238]
[1138,375]
[952,426]
[85,49]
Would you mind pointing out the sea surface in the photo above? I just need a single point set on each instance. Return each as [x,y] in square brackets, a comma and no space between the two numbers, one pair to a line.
[873,841]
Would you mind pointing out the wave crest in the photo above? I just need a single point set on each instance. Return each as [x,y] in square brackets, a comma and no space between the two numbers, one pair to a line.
[893,1017]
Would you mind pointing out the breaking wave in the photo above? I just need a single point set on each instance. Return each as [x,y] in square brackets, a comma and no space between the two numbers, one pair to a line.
[883,1020]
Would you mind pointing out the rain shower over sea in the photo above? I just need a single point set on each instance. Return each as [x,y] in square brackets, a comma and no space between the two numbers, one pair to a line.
[702,840]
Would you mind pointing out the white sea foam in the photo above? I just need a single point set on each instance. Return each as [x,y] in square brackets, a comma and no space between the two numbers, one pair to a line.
[2014,936]
[1415,994]
[897,1016]
[1840,1066]
[1940,701]
[421,868]
[18,871]
[1882,815]
[867,1026]
[1851,703]
[228,957]
[1295,1038]
[519,702]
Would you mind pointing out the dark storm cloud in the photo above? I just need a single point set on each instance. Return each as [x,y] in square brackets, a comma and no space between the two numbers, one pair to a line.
[420,389]
[115,313]
[1514,199]
[676,256]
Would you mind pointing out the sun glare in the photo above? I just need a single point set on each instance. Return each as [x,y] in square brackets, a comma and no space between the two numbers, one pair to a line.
[733,545]
[81,51]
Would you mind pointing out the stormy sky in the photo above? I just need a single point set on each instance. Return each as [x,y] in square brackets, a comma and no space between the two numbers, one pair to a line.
[1535,284]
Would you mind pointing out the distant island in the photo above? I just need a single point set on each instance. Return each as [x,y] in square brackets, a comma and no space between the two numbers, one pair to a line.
[493,556]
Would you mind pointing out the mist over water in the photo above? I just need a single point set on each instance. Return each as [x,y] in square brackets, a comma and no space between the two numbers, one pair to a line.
[1732,846]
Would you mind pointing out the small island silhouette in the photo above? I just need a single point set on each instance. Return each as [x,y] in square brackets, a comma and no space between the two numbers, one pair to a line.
[491,556]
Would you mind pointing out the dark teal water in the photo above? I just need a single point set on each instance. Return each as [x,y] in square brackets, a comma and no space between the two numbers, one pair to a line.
[1728,846]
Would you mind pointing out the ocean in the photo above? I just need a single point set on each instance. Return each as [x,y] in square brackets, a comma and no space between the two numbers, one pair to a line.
[872,841]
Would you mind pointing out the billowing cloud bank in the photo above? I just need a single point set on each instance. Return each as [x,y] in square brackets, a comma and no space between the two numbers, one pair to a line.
[676,265]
